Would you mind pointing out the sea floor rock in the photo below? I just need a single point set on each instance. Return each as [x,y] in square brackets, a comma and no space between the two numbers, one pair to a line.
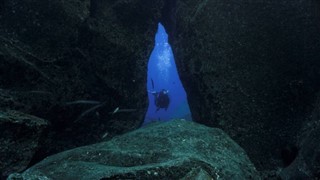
[19,140]
[174,150]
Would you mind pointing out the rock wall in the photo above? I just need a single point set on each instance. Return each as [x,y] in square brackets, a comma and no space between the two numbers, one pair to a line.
[249,67]
[306,165]
[72,62]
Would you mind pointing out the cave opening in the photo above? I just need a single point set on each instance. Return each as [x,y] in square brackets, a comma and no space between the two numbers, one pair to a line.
[163,77]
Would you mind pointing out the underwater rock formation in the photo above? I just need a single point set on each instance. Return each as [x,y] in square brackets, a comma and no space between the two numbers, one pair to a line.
[19,140]
[58,57]
[306,164]
[249,67]
[173,150]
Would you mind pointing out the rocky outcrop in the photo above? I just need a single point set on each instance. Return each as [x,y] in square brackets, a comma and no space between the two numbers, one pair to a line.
[250,68]
[63,49]
[306,165]
[174,150]
[73,62]
[19,140]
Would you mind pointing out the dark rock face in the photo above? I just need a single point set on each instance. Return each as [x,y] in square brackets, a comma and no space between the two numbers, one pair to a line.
[73,62]
[174,150]
[249,67]
[57,47]
[307,163]
[19,140]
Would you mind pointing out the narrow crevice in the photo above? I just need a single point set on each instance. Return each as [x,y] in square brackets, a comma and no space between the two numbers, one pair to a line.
[167,97]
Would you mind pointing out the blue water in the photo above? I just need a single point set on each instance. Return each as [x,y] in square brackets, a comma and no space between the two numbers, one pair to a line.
[162,70]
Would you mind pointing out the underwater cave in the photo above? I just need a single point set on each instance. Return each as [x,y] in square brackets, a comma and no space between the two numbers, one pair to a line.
[163,75]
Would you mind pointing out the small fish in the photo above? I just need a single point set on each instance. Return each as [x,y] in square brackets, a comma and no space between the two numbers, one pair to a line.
[116,110]
[105,135]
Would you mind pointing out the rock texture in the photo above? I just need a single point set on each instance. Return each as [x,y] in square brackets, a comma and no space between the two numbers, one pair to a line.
[249,67]
[73,62]
[307,164]
[19,140]
[174,150]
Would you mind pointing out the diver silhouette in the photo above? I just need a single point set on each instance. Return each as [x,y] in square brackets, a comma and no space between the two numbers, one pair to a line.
[161,99]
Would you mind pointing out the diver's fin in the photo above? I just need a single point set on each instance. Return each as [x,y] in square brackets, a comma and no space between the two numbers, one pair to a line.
[152,83]
[152,92]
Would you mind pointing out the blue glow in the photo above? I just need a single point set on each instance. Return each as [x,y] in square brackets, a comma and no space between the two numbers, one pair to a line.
[163,72]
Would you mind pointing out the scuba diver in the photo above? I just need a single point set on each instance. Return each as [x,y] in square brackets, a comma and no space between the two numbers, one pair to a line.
[161,99]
